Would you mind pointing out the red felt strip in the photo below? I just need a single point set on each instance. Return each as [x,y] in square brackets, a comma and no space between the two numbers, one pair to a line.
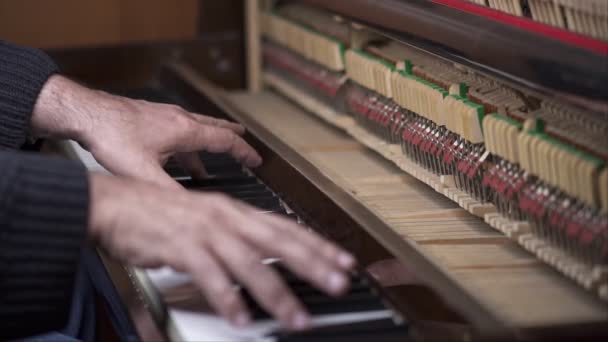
[529,25]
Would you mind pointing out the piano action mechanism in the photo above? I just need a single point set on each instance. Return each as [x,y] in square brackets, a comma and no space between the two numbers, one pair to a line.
[470,144]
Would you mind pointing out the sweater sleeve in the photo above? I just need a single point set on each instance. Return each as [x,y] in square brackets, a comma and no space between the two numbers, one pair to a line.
[43,208]
[23,73]
[43,220]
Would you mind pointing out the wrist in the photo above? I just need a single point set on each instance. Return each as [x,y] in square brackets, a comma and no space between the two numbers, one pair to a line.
[66,110]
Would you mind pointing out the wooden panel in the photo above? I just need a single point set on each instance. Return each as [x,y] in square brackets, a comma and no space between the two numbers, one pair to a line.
[68,23]
[532,296]
[54,23]
[143,20]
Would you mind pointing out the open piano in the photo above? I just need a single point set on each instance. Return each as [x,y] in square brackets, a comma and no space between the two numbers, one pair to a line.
[466,140]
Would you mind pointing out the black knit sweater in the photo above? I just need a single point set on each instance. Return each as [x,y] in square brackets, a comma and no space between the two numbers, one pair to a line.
[43,208]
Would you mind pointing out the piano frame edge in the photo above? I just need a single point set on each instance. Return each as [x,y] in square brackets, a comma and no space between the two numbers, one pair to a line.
[146,324]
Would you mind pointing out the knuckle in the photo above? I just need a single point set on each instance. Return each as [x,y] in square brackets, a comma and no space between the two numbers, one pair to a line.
[298,252]
[232,138]
[251,262]
[228,134]
[287,306]
[328,249]
[275,290]
[183,122]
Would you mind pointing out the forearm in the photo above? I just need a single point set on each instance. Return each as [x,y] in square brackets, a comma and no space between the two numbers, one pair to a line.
[23,73]
[43,224]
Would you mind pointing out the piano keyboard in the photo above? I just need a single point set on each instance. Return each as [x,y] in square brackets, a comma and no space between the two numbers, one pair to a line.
[359,315]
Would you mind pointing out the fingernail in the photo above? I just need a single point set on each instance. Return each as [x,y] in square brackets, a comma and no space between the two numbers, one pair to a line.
[242,319]
[300,321]
[336,281]
[346,260]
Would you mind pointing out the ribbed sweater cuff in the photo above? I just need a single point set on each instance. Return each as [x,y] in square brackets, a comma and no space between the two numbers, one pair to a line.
[43,220]
[23,73]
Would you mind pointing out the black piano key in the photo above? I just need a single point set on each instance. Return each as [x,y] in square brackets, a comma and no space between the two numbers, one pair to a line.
[267,208]
[177,173]
[355,277]
[235,190]
[215,164]
[261,201]
[175,170]
[222,169]
[252,196]
[249,190]
[256,195]
[215,173]
[357,302]
[220,163]
[360,299]
[303,288]
[376,330]
[218,159]
[212,157]
[218,181]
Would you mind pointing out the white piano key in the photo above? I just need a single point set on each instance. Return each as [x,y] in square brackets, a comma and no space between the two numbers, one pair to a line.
[196,326]
[85,157]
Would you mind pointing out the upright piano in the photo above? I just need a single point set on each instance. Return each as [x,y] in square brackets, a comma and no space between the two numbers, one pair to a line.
[462,143]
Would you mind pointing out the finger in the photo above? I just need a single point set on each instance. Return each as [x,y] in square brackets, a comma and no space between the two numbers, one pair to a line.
[263,283]
[207,120]
[193,164]
[308,256]
[210,277]
[313,258]
[321,246]
[220,140]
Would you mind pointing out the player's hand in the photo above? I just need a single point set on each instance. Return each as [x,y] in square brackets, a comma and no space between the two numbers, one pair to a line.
[214,239]
[135,138]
